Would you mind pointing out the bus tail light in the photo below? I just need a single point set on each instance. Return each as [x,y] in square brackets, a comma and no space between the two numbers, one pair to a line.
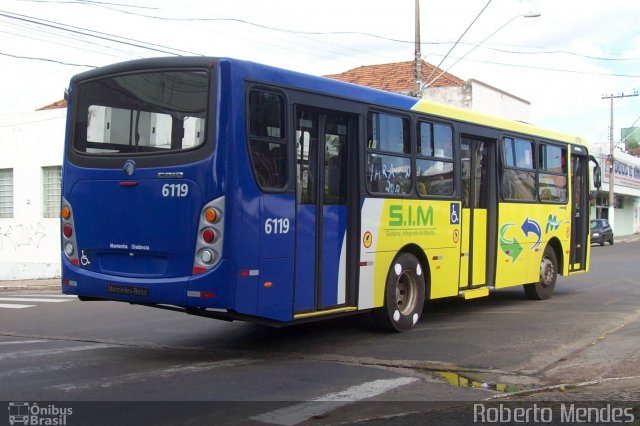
[67,230]
[69,245]
[65,213]
[208,235]
[211,215]
[208,251]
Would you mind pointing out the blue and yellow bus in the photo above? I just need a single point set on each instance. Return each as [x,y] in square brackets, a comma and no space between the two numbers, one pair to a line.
[238,191]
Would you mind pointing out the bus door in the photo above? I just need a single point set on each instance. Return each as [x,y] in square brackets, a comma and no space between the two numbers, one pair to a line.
[324,186]
[478,221]
[579,209]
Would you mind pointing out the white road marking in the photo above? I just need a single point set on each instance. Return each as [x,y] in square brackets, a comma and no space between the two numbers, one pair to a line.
[46,352]
[22,342]
[14,306]
[37,298]
[294,414]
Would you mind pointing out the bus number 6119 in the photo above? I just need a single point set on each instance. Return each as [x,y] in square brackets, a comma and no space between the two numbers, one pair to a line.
[276,226]
[175,190]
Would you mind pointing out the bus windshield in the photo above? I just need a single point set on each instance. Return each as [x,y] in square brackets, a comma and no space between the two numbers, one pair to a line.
[142,113]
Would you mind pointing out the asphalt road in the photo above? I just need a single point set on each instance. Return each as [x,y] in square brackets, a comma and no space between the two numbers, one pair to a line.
[61,350]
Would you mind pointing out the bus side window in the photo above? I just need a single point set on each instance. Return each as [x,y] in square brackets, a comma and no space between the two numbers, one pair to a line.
[518,175]
[434,161]
[388,169]
[552,176]
[267,142]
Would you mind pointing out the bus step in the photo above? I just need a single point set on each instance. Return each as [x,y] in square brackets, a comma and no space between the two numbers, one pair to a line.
[475,293]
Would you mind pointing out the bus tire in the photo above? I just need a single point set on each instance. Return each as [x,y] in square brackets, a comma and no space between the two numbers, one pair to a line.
[404,295]
[543,289]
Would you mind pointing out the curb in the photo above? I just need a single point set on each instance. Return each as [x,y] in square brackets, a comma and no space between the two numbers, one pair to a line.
[54,283]
[627,238]
[29,287]
[561,387]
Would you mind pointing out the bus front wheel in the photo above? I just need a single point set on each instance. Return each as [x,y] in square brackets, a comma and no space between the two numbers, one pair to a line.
[543,289]
[404,294]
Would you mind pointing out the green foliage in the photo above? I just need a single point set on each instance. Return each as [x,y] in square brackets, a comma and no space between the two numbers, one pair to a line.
[631,137]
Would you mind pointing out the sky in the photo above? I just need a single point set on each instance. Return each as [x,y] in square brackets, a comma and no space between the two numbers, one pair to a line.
[564,61]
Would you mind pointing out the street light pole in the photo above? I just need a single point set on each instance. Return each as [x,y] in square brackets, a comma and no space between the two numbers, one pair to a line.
[612,148]
[524,15]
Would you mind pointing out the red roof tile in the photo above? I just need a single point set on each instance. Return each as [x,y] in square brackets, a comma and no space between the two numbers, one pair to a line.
[396,77]
[58,104]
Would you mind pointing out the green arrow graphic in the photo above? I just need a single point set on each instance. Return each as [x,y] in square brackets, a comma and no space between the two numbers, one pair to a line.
[511,248]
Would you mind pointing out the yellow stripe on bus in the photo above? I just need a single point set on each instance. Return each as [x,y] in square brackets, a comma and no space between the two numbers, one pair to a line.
[327,312]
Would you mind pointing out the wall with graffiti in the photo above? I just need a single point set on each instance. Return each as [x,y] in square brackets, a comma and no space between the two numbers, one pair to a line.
[29,242]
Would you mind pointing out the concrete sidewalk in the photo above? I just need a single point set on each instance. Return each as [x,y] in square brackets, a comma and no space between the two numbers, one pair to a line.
[47,284]
[626,238]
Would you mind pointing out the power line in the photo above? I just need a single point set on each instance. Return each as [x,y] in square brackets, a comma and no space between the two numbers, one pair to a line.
[563,70]
[96,34]
[321,33]
[49,40]
[47,60]
[56,25]
[459,38]
[262,26]
[88,2]
[552,52]
[57,117]
[159,48]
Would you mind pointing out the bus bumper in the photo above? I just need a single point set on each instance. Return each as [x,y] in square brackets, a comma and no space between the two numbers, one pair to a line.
[212,289]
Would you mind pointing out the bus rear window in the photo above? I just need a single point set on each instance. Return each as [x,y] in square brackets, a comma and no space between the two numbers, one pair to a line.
[142,113]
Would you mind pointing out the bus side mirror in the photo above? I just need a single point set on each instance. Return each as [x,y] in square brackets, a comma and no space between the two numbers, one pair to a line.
[597,176]
[597,179]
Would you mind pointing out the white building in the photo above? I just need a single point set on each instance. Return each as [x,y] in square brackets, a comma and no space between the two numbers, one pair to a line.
[626,217]
[31,147]
[443,87]
[481,97]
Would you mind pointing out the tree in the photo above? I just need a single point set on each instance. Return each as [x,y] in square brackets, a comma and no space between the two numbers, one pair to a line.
[631,137]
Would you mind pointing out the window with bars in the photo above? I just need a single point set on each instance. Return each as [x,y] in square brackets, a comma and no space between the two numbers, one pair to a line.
[6,193]
[51,191]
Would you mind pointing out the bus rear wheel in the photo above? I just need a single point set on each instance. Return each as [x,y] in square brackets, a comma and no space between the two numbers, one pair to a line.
[543,289]
[404,295]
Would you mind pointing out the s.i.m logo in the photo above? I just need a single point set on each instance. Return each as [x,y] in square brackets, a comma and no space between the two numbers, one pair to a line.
[408,216]
[410,220]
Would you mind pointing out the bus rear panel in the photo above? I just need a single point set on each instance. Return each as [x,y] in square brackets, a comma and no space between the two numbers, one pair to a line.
[142,210]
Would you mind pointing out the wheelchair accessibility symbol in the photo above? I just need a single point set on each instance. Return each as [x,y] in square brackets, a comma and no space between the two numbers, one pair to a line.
[455,214]
[84,260]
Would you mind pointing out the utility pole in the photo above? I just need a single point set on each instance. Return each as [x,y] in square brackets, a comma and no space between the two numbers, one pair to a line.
[418,54]
[612,147]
